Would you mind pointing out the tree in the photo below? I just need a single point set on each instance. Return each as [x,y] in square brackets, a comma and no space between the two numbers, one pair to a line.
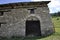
[58,13]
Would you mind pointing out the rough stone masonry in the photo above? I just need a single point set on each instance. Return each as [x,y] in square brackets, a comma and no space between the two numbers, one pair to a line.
[25,19]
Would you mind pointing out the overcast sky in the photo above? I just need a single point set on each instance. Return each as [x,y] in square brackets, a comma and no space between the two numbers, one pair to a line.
[54,5]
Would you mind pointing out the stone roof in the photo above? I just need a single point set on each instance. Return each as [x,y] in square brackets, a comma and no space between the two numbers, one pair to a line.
[24,4]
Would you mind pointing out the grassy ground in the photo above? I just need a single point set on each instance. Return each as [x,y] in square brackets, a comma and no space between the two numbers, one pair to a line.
[55,36]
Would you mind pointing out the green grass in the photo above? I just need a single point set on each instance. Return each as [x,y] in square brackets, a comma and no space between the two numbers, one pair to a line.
[55,36]
[56,22]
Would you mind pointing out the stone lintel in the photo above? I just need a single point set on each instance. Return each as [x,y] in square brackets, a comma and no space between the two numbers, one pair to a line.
[2,10]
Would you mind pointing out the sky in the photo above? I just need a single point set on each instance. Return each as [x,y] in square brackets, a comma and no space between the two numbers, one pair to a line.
[54,5]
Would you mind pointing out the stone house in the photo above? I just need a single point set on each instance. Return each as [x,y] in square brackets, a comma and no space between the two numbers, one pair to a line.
[25,19]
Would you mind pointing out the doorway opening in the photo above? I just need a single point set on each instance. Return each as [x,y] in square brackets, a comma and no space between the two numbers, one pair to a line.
[33,28]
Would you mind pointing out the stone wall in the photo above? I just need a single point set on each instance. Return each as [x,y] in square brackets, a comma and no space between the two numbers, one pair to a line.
[15,21]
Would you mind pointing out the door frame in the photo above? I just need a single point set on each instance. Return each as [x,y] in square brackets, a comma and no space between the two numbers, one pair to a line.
[39,27]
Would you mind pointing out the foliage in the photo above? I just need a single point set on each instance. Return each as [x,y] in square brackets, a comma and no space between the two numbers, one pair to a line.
[55,14]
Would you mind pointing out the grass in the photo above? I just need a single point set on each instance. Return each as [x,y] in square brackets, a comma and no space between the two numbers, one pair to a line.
[55,36]
[56,22]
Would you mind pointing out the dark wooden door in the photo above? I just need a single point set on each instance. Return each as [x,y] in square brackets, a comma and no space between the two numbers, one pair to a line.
[33,28]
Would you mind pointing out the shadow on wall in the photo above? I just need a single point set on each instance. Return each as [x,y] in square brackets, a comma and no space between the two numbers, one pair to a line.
[23,38]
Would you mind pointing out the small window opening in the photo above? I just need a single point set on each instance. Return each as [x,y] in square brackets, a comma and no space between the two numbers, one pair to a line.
[32,11]
[1,13]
